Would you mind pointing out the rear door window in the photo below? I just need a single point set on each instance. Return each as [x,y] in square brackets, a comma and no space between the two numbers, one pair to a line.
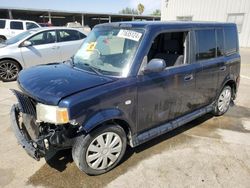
[230,40]
[2,24]
[205,44]
[220,42]
[16,25]
[68,35]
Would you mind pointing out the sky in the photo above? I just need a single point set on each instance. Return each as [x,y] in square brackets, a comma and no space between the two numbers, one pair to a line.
[108,6]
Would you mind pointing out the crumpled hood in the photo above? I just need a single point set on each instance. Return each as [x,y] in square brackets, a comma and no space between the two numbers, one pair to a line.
[50,83]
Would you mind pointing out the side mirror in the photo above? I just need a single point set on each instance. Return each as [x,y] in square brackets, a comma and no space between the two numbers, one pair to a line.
[26,44]
[155,65]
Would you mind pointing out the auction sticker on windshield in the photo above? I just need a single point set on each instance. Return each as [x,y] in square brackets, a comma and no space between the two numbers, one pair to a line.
[128,34]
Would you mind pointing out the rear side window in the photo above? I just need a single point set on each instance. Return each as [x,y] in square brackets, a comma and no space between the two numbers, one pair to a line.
[2,24]
[30,25]
[68,35]
[205,44]
[16,25]
[82,36]
[220,42]
[230,40]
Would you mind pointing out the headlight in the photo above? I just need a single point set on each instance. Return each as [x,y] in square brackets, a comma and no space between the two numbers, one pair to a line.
[52,114]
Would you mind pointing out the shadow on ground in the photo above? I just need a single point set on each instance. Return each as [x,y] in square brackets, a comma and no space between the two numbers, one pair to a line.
[60,170]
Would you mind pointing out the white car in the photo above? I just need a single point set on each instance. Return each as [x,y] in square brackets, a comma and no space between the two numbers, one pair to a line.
[37,46]
[10,28]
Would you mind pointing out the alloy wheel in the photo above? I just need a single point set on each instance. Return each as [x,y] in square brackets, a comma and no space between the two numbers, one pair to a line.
[8,70]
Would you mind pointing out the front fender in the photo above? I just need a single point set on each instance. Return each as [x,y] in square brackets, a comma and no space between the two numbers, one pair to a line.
[102,116]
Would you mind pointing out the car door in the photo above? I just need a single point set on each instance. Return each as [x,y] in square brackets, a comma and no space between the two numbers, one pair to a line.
[16,27]
[69,41]
[43,50]
[207,73]
[165,95]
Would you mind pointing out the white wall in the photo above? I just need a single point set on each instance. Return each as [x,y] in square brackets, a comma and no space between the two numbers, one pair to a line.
[210,10]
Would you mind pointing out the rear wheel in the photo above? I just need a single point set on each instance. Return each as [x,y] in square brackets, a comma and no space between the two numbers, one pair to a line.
[9,70]
[223,101]
[101,150]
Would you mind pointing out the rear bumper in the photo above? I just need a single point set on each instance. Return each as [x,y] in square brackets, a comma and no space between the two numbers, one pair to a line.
[30,146]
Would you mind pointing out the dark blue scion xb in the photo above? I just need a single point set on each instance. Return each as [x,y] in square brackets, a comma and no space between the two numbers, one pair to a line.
[129,83]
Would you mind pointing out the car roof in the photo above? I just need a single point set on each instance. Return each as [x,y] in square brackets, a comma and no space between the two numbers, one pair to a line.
[56,28]
[151,24]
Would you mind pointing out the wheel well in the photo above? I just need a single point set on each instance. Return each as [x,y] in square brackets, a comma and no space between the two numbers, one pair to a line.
[12,60]
[232,84]
[120,122]
[3,37]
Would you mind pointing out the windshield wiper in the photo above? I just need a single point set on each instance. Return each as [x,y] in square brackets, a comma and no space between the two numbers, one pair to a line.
[93,69]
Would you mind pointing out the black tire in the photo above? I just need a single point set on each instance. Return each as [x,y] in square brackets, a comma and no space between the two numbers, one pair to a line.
[9,70]
[82,143]
[217,110]
[2,38]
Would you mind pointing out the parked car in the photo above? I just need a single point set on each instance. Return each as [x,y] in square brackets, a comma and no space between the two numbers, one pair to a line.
[37,46]
[85,29]
[10,28]
[129,83]
[45,24]
[73,25]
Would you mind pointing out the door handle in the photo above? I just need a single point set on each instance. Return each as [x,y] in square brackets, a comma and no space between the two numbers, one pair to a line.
[188,77]
[223,68]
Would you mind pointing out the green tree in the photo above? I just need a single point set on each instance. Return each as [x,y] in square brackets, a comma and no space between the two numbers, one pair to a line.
[128,10]
[157,12]
[140,8]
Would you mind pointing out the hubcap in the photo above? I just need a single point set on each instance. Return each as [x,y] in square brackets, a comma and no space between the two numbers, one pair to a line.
[8,71]
[104,150]
[224,100]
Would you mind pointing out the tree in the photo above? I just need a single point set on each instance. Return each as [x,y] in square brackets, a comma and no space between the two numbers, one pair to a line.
[157,12]
[140,8]
[128,10]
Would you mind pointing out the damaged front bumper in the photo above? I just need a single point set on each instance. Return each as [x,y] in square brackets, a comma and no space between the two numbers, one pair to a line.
[35,149]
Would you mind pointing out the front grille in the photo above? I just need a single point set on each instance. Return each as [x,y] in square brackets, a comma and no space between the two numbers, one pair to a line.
[26,104]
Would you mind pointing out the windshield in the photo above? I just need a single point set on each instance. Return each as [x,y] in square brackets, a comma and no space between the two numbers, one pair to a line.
[18,37]
[108,51]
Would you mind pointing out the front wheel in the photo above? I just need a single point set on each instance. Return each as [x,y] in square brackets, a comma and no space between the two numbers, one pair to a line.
[9,70]
[101,150]
[223,101]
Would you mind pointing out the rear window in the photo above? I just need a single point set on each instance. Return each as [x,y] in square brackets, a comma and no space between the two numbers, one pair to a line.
[2,24]
[16,25]
[231,43]
[205,44]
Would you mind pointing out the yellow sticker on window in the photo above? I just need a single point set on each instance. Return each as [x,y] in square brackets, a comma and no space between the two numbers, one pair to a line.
[91,46]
